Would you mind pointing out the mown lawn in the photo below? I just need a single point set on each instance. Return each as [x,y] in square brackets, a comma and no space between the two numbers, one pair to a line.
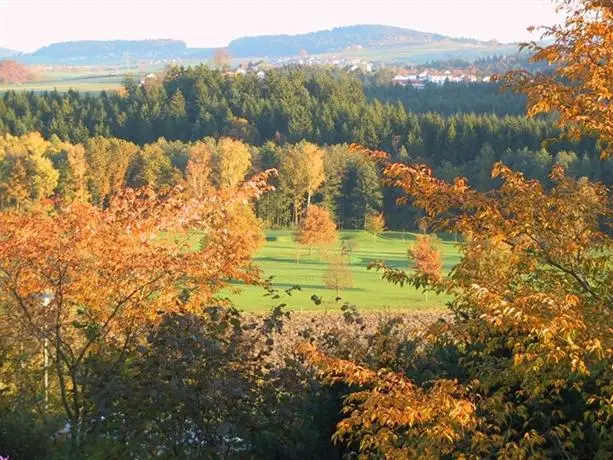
[278,258]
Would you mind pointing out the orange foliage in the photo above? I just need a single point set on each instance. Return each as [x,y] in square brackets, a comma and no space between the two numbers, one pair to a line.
[110,273]
[389,409]
[12,72]
[426,258]
[535,279]
[317,228]
[523,229]
[580,88]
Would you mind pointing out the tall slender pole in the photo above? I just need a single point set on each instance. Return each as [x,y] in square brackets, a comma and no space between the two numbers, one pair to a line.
[46,301]
[46,376]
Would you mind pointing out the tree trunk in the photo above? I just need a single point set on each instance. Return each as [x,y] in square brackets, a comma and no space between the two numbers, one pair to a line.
[296,213]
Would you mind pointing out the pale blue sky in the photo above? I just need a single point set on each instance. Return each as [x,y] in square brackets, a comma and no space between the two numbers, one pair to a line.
[28,24]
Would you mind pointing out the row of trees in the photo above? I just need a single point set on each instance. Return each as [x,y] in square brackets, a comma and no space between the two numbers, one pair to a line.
[342,179]
[33,170]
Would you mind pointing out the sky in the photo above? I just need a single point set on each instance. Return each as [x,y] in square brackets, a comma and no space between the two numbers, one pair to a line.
[26,25]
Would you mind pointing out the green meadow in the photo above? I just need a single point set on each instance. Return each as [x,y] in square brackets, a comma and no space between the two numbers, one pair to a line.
[291,265]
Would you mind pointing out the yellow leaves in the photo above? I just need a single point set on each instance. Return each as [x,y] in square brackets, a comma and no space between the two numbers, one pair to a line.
[531,260]
[231,161]
[460,184]
[108,277]
[580,86]
[390,407]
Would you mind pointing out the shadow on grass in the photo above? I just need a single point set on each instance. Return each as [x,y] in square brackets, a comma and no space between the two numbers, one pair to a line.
[304,288]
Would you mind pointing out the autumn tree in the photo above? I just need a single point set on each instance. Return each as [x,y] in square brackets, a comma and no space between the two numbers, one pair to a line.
[198,169]
[532,289]
[152,167]
[426,258]
[222,58]
[86,282]
[27,174]
[231,160]
[12,72]
[337,276]
[317,228]
[375,224]
[72,166]
[580,85]
[531,294]
[246,227]
[301,173]
[108,161]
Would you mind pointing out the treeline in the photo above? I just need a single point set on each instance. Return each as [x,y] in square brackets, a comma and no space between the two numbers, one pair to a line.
[495,64]
[320,105]
[339,178]
[33,170]
[451,98]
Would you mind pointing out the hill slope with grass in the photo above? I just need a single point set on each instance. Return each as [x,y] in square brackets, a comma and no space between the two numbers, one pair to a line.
[337,39]
[376,39]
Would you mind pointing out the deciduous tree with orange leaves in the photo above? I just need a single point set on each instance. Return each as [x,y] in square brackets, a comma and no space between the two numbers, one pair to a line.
[580,86]
[524,369]
[86,282]
[317,228]
[426,258]
[531,338]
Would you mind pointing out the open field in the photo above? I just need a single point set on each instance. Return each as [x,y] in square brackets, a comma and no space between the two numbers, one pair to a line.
[84,85]
[278,258]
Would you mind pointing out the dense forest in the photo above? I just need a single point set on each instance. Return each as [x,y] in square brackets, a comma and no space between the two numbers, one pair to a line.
[476,126]
[449,99]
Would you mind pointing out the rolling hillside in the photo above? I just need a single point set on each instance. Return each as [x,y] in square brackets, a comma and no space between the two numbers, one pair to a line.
[337,39]
[372,40]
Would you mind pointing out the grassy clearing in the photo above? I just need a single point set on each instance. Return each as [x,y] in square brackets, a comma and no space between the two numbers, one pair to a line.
[278,258]
[83,84]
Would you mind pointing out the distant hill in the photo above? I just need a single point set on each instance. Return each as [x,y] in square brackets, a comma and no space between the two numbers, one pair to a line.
[5,52]
[340,38]
[87,51]
[372,38]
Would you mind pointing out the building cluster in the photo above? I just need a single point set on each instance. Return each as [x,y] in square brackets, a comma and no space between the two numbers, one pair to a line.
[419,80]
